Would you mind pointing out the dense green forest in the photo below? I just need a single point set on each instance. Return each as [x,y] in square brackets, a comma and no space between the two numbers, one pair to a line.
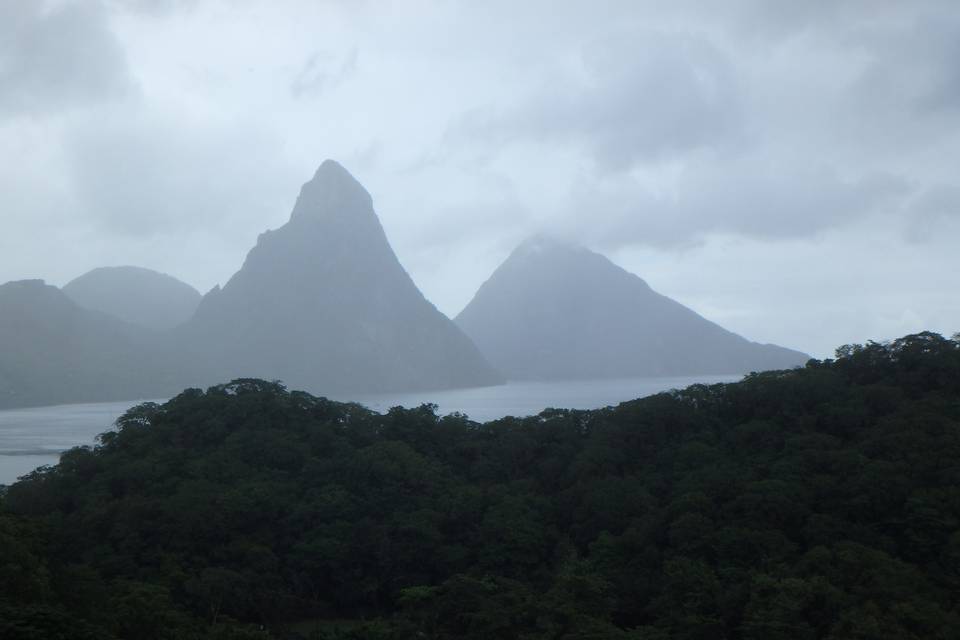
[821,502]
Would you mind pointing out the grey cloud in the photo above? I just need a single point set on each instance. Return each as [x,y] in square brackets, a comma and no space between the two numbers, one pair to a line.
[141,173]
[933,212]
[56,56]
[903,96]
[747,198]
[639,125]
[724,133]
[153,7]
[500,222]
[766,22]
[643,97]
[782,20]
[323,71]
[914,64]
[494,214]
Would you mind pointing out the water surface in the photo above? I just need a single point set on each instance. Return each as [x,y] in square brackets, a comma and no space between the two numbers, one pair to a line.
[524,398]
[30,438]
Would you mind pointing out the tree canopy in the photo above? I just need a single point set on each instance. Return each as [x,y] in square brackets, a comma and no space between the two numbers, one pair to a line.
[820,502]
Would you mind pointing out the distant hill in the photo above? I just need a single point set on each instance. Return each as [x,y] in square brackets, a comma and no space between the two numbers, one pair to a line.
[53,351]
[553,310]
[323,304]
[136,295]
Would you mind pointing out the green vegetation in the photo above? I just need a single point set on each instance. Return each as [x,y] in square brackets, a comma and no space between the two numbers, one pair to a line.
[822,502]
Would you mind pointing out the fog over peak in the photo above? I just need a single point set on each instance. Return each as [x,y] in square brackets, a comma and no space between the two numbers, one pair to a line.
[544,242]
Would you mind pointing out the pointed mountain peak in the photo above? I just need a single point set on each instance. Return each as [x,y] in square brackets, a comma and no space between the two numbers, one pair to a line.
[330,169]
[324,304]
[331,191]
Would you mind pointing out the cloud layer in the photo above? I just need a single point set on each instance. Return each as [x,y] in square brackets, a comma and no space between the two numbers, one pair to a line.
[55,57]
[681,139]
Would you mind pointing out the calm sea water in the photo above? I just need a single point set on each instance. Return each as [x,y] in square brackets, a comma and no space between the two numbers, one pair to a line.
[30,438]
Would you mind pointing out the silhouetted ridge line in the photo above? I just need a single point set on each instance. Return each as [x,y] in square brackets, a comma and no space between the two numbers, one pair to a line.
[324,304]
[137,295]
[556,310]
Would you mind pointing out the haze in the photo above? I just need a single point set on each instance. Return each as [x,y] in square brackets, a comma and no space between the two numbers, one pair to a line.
[785,169]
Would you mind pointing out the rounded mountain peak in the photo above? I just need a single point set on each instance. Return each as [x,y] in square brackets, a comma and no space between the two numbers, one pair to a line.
[332,190]
[136,295]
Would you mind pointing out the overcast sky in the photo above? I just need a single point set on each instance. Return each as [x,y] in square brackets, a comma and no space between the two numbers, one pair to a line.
[787,169]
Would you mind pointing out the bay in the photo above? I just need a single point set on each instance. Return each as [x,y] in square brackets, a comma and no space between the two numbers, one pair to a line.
[33,437]
[524,398]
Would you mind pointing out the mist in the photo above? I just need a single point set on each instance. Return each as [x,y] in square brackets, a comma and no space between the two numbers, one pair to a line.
[801,157]
[350,320]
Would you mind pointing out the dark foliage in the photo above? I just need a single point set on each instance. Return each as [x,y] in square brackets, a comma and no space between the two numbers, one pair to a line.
[822,502]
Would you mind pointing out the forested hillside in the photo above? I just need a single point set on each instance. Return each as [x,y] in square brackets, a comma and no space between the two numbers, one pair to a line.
[822,502]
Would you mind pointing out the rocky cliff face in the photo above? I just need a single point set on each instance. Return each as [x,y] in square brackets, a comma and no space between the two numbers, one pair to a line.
[323,304]
[553,310]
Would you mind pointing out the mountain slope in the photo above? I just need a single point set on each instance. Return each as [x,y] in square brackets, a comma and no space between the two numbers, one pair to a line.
[554,311]
[53,352]
[136,295]
[323,304]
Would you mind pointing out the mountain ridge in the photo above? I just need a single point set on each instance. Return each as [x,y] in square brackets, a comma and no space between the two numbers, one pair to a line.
[372,329]
[52,351]
[135,294]
[556,310]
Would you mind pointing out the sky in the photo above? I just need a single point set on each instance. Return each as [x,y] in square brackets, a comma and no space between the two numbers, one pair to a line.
[786,169]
